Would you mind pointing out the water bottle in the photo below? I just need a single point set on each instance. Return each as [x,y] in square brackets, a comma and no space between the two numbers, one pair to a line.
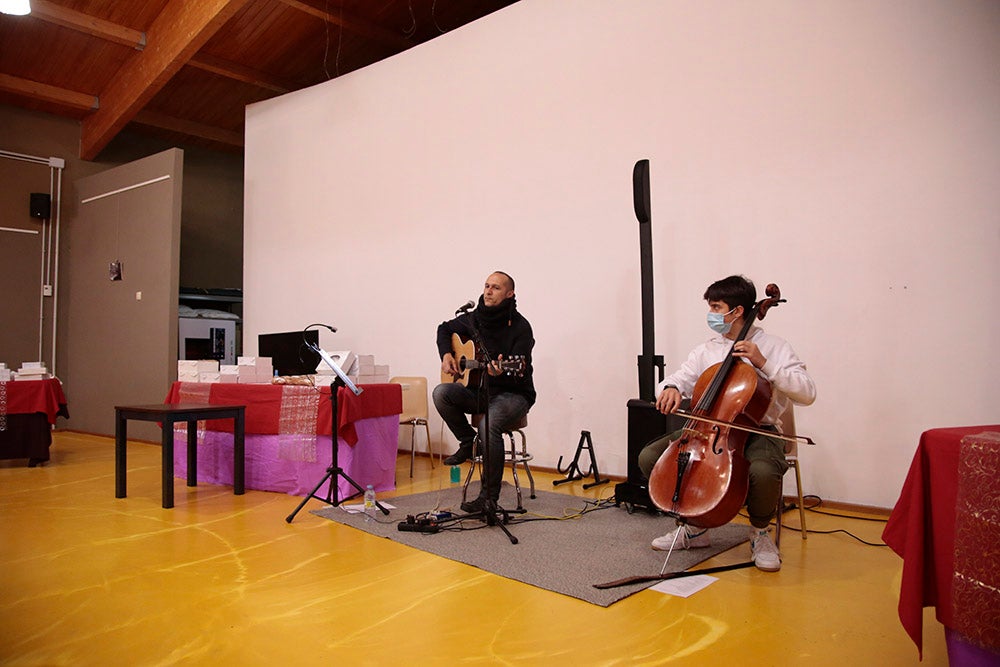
[369,503]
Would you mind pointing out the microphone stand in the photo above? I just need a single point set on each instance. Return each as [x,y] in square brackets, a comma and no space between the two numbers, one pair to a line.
[334,471]
[492,513]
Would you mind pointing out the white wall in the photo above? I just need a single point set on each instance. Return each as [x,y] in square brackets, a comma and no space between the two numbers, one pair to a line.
[847,151]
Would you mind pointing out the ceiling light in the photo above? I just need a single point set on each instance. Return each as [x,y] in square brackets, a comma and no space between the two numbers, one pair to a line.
[15,7]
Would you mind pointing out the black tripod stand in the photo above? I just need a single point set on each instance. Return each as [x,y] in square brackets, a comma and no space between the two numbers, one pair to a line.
[492,513]
[334,472]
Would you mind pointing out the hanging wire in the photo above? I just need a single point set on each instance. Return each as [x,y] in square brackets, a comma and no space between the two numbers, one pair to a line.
[326,47]
[340,39]
[434,18]
[409,32]
[340,34]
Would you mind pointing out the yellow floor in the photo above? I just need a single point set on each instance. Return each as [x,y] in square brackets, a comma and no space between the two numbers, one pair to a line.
[89,579]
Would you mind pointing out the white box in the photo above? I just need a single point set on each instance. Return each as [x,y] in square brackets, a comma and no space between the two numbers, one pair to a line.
[187,376]
[208,365]
[343,358]
[228,378]
[366,364]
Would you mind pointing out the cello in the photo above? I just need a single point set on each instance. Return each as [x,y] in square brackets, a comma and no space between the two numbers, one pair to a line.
[702,477]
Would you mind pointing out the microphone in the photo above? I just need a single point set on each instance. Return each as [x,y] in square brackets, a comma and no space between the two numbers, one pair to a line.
[469,305]
[325,326]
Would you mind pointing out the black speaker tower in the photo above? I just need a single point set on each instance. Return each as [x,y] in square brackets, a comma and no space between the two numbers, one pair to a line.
[644,421]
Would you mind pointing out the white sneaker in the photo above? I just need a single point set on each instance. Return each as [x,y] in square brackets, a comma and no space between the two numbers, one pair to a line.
[685,540]
[765,554]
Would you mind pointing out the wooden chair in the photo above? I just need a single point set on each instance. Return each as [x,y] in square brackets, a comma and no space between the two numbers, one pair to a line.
[792,458]
[414,412]
[513,455]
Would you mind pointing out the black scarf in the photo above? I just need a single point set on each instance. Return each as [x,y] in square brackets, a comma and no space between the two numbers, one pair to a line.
[495,317]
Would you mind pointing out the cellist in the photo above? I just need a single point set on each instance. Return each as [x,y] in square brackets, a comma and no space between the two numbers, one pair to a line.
[729,300]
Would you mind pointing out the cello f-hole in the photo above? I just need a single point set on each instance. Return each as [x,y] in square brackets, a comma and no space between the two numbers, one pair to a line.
[682,463]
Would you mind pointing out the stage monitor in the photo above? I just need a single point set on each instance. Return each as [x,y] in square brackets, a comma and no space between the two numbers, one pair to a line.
[288,351]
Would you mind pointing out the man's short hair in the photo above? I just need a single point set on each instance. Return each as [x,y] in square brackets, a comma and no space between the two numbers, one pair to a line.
[507,276]
[733,291]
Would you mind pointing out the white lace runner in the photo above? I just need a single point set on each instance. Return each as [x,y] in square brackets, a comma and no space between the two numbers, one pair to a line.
[193,392]
[3,406]
[297,423]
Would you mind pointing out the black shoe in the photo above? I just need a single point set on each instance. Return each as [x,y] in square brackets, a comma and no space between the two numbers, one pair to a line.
[475,506]
[463,454]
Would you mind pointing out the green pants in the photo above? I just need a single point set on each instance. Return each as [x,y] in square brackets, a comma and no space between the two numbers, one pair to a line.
[766,457]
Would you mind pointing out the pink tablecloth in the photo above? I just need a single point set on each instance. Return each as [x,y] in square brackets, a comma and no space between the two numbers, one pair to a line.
[272,466]
[288,448]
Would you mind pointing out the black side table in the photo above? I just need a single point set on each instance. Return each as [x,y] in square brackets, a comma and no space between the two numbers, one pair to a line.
[168,414]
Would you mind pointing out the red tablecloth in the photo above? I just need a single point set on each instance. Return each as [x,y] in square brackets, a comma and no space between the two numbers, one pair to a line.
[30,396]
[28,410]
[921,528]
[267,405]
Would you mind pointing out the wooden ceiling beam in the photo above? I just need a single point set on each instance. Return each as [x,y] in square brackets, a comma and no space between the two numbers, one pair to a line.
[352,23]
[180,30]
[231,70]
[91,25]
[43,91]
[188,127]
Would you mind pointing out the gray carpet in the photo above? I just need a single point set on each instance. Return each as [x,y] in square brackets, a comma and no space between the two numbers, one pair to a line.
[566,556]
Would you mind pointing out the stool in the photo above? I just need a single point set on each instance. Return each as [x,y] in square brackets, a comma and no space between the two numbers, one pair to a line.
[512,456]
[168,414]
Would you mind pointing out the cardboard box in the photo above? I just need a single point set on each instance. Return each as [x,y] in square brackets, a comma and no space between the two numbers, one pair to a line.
[372,379]
[208,365]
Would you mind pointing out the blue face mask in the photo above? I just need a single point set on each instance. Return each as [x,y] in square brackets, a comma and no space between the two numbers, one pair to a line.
[718,324]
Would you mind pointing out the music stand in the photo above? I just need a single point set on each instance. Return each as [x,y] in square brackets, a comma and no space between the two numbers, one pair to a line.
[334,472]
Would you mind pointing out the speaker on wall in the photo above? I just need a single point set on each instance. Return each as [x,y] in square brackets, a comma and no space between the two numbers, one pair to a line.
[640,190]
[41,205]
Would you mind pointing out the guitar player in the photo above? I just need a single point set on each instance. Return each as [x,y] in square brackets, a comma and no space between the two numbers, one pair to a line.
[497,333]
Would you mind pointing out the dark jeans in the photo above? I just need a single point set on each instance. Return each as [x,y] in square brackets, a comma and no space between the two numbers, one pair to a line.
[766,457]
[453,401]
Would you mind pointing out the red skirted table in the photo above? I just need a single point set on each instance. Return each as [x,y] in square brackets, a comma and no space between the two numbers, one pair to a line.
[946,527]
[28,410]
[288,435]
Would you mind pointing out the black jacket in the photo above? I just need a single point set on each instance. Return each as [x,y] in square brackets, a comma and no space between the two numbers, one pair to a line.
[504,331]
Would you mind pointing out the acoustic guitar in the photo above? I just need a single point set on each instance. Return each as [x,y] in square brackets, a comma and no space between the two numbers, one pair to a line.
[471,366]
